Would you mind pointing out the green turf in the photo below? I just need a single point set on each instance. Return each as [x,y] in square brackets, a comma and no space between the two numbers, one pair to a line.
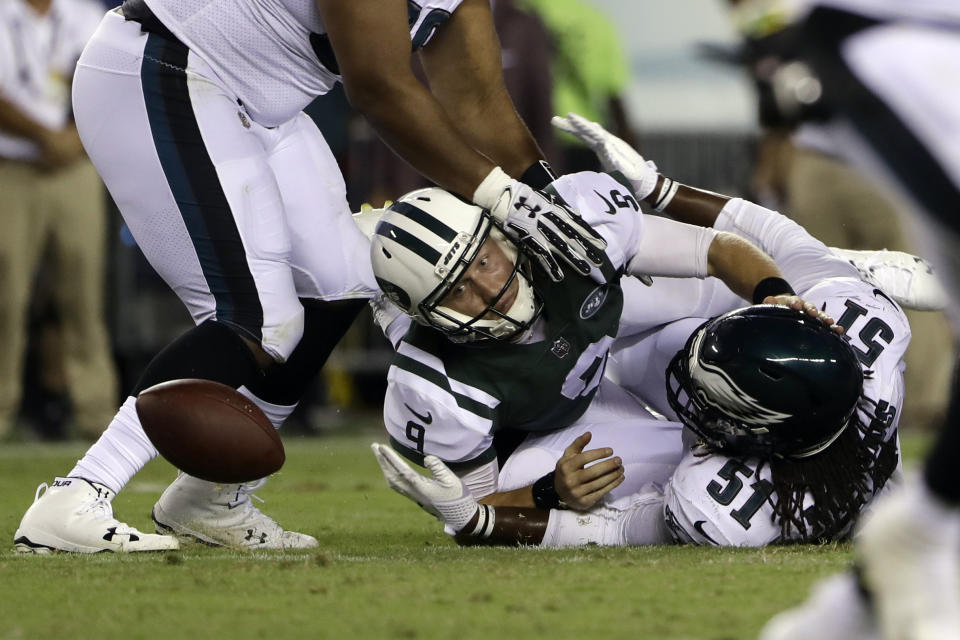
[384,570]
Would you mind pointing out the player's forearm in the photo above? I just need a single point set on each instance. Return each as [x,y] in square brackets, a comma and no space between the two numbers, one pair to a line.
[741,265]
[495,130]
[522,497]
[505,526]
[463,64]
[413,124]
[689,205]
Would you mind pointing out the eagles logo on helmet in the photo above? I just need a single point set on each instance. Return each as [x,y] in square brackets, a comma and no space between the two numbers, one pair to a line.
[765,380]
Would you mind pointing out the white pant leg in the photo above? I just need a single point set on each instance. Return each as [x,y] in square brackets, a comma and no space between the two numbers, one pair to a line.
[329,255]
[639,363]
[650,448]
[190,174]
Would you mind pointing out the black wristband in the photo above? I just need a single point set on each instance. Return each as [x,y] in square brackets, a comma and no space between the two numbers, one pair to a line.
[545,494]
[771,286]
[538,175]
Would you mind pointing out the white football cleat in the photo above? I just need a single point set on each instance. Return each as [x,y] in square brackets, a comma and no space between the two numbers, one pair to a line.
[76,516]
[836,610]
[906,278]
[909,554]
[222,515]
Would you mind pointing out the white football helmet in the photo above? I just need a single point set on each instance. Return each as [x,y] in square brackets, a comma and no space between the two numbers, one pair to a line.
[423,244]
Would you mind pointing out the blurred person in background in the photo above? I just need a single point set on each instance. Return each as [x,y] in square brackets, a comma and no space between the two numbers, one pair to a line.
[51,199]
[590,74]
[800,171]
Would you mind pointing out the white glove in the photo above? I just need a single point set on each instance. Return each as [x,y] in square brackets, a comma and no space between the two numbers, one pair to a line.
[539,225]
[908,279]
[614,153]
[444,495]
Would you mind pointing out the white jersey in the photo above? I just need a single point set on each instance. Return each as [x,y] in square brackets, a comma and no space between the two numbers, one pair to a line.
[274,54]
[714,499]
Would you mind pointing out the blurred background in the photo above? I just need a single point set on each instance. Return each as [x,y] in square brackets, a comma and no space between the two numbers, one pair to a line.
[682,80]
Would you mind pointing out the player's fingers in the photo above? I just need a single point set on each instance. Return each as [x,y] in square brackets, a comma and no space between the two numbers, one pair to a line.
[574,486]
[575,463]
[563,124]
[591,498]
[613,465]
[577,445]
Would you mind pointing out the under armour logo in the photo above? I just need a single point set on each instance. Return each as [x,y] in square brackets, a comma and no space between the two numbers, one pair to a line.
[252,533]
[522,204]
[112,532]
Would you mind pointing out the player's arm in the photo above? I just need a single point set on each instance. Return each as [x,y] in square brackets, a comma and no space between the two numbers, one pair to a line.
[666,249]
[372,46]
[464,67]
[371,42]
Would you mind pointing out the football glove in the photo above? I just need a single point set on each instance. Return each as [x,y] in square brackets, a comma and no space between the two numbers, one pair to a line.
[443,495]
[614,153]
[539,225]
[908,279]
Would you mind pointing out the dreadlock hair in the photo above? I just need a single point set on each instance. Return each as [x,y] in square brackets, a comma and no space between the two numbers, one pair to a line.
[837,482]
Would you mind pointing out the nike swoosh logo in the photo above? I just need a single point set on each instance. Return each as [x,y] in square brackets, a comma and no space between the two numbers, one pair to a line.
[877,292]
[610,208]
[698,525]
[427,419]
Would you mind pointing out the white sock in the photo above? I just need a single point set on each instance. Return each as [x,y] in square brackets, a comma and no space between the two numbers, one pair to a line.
[119,454]
[276,413]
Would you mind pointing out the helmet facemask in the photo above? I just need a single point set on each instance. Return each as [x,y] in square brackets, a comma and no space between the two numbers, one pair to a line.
[422,248]
[491,323]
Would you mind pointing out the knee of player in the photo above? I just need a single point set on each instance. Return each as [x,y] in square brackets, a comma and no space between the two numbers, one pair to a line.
[280,336]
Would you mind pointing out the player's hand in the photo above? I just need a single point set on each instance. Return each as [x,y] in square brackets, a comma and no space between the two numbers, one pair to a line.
[614,153]
[580,486]
[798,303]
[443,495]
[540,225]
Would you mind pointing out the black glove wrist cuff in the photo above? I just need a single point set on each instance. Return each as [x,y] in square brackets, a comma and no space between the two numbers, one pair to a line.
[545,494]
[538,175]
[771,286]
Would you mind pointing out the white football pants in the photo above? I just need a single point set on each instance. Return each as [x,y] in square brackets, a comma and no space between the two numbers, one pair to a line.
[240,220]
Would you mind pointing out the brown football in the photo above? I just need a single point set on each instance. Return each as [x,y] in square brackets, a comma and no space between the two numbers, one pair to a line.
[210,431]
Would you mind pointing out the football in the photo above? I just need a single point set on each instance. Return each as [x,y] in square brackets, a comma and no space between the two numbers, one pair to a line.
[210,431]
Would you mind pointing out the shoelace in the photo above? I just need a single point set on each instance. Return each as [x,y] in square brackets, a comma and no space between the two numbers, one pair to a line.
[247,491]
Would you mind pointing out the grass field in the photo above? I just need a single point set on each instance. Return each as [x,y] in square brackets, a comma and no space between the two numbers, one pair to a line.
[384,569]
